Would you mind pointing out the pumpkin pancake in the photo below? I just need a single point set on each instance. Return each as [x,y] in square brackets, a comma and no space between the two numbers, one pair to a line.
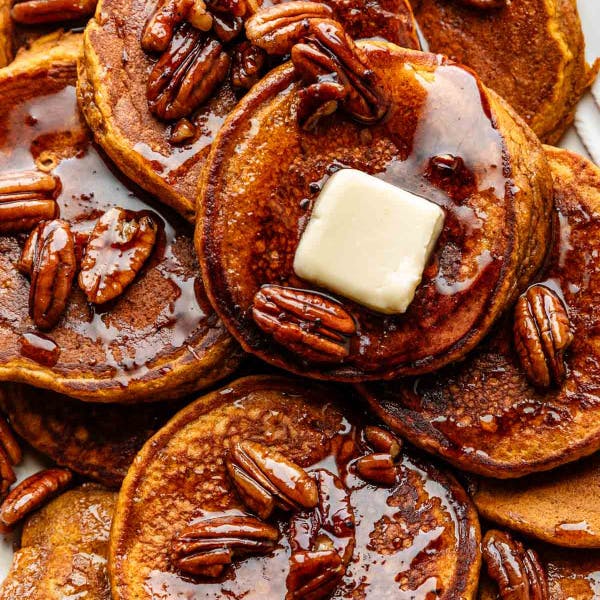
[159,339]
[416,537]
[557,506]
[542,72]
[483,415]
[255,200]
[571,574]
[63,549]
[112,86]
[96,440]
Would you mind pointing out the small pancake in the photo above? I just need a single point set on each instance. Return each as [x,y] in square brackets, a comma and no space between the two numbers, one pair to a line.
[63,549]
[572,574]
[483,415]
[99,441]
[112,86]
[255,201]
[160,338]
[529,51]
[559,507]
[414,539]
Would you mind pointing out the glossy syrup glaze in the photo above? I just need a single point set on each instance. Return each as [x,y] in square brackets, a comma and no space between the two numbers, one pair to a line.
[47,132]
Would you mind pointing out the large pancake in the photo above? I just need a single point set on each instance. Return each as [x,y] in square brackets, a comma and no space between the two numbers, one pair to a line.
[63,549]
[112,86]
[529,51]
[559,506]
[413,540]
[160,339]
[571,574]
[483,415]
[255,200]
[96,440]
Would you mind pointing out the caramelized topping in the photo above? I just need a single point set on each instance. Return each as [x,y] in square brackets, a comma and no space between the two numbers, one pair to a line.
[37,12]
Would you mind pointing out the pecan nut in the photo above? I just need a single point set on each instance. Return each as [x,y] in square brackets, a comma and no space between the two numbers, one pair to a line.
[542,332]
[10,455]
[265,478]
[208,546]
[32,493]
[382,440]
[378,468]
[329,55]
[484,4]
[247,65]
[49,257]
[312,325]
[118,247]
[187,74]
[26,198]
[226,27]
[37,12]
[160,27]
[277,28]
[516,570]
[322,541]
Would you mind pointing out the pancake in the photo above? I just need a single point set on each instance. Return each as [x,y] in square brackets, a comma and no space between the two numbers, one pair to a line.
[483,415]
[99,441]
[571,574]
[255,201]
[542,72]
[159,339]
[63,549]
[415,538]
[112,85]
[558,507]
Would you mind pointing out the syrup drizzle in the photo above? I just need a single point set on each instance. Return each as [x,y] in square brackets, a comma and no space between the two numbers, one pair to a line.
[90,186]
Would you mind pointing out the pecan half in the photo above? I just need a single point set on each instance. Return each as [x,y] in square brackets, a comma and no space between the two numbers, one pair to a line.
[382,440]
[312,325]
[31,493]
[542,332]
[49,256]
[37,12]
[247,65]
[168,14]
[10,455]
[330,56]
[277,28]
[187,74]
[484,4]
[378,468]
[26,198]
[226,27]
[119,245]
[208,546]
[322,541]
[516,570]
[265,478]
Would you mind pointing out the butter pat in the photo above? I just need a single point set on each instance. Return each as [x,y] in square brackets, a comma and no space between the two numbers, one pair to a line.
[369,241]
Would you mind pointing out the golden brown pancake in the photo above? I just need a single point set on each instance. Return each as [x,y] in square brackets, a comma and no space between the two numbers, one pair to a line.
[63,549]
[112,87]
[571,574]
[159,339]
[483,415]
[529,51]
[414,539]
[99,441]
[256,199]
[559,507]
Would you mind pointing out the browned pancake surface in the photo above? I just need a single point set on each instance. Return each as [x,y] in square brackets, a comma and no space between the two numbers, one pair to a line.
[414,540]
[483,415]
[112,85]
[530,51]
[160,338]
[63,549]
[559,506]
[264,174]
[96,440]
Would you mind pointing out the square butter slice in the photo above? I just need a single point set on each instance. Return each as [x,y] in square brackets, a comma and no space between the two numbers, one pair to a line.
[368,240]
